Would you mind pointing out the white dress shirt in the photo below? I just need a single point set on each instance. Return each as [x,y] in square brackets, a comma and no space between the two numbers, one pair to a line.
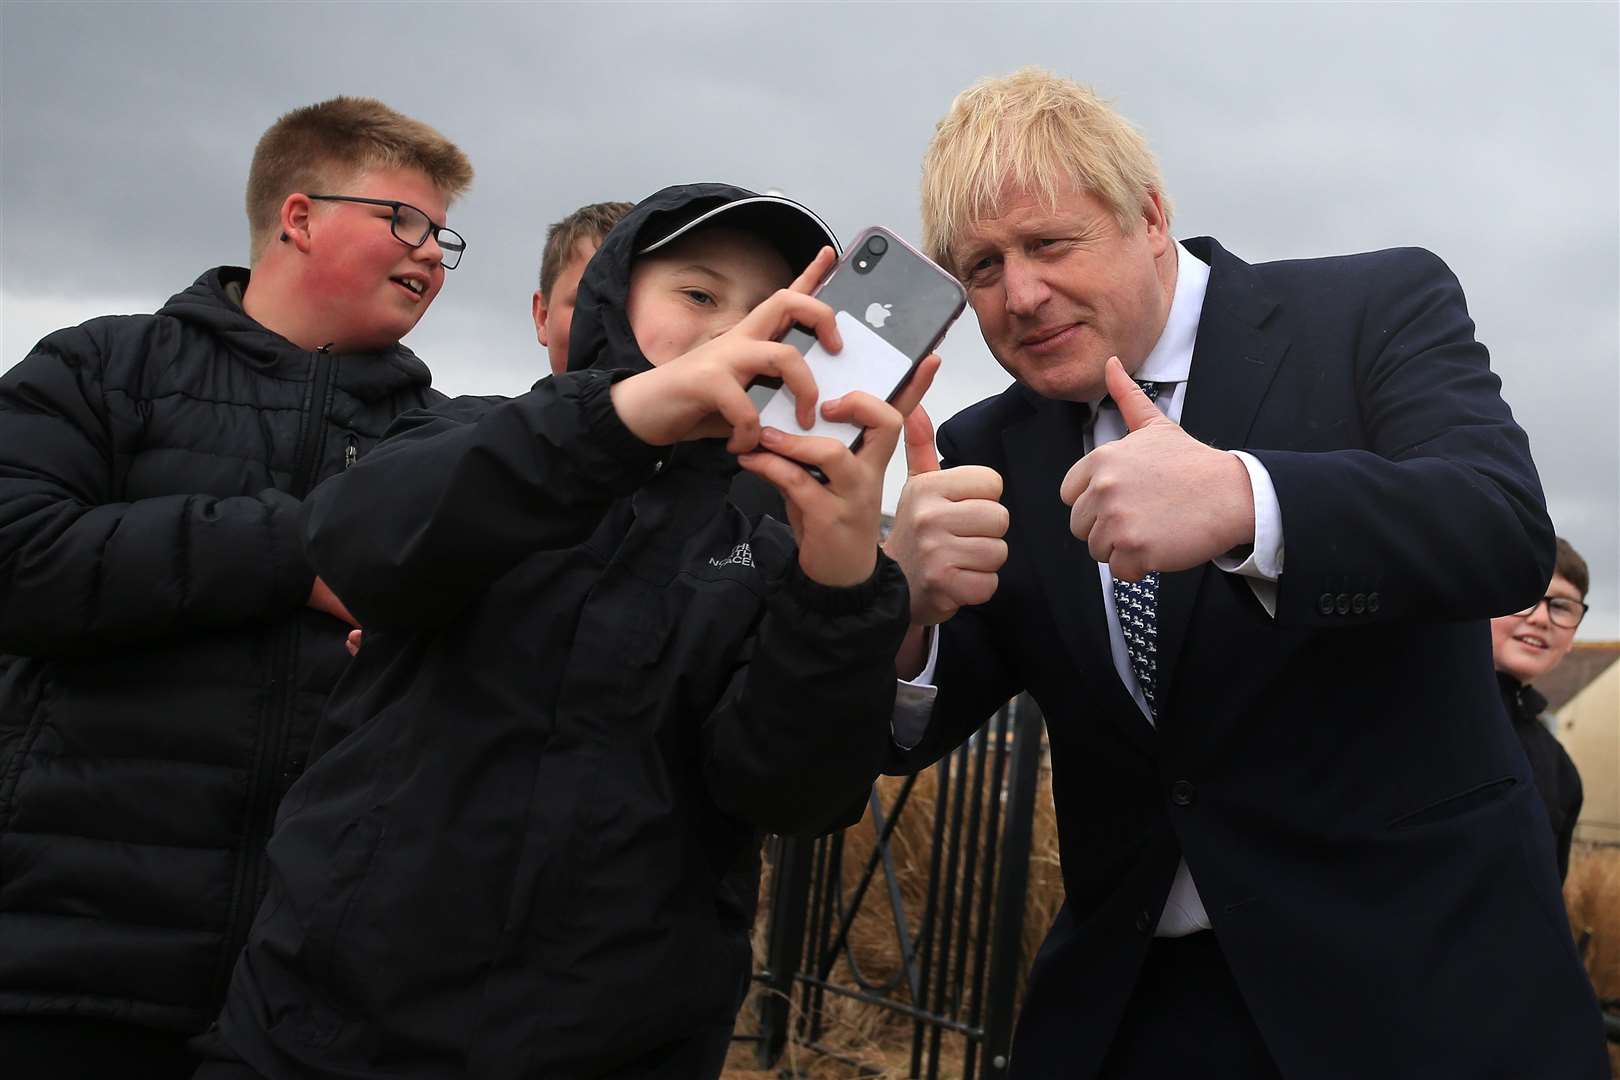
[1170,364]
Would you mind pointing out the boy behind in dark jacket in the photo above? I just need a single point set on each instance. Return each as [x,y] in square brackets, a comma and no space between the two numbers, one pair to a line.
[1525,647]
[588,682]
[570,243]
[169,645]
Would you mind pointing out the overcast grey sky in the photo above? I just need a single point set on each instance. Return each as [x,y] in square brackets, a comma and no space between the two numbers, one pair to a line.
[1487,133]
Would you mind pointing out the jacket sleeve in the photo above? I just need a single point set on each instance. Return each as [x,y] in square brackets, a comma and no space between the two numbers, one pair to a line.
[81,569]
[1442,515]
[456,496]
[803,729]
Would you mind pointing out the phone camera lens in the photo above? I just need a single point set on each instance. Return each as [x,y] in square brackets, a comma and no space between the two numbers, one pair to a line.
[877,245]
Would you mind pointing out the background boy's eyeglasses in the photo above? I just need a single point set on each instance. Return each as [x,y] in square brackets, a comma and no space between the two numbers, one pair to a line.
[1561,611]
[411,227]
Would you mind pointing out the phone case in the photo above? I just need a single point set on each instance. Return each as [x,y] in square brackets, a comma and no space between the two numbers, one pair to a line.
[896,297]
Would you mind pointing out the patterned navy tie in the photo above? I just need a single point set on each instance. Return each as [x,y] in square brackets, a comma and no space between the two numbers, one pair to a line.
[1136,604]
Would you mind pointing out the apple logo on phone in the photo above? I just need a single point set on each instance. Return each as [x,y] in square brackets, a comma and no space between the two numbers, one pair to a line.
[877,314]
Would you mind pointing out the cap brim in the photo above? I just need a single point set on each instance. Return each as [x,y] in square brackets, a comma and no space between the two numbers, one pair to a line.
[792,228]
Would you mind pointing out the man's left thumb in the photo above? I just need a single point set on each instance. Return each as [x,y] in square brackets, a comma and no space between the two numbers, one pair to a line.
[1134,407]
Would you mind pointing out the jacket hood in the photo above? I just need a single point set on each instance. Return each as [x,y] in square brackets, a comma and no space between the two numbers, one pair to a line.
[213,303]
[600,335]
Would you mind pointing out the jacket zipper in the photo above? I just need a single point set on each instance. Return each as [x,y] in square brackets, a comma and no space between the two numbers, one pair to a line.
[262,801]
[351,453]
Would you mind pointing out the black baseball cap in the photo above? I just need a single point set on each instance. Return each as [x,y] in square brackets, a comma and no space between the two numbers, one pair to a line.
[795,230]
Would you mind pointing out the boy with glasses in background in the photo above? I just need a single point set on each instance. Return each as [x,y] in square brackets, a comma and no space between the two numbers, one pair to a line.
[165,645]
[1526,646]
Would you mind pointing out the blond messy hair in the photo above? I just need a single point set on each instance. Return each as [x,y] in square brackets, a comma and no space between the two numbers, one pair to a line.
[1034,132]
[317,147]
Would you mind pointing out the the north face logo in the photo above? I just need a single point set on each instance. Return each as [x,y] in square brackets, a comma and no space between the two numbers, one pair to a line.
[741,555]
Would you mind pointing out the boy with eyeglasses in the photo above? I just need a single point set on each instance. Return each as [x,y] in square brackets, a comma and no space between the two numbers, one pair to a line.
[1526,646]
[166,645]
[589,682]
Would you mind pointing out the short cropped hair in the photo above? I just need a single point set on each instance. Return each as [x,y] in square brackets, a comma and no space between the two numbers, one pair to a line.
[591,222]
[1571,567]
[1042,134]
[317,147]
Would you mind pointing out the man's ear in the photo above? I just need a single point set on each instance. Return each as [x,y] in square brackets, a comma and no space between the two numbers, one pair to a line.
[540,317]
[295,223]
[1153,218]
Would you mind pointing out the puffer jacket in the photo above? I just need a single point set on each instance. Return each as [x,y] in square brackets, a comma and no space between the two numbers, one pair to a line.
[162,675]
[589,681]
[1557,780]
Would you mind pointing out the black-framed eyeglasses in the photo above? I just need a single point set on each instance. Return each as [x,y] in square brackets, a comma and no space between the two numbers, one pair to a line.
[1561,611]
[411,226]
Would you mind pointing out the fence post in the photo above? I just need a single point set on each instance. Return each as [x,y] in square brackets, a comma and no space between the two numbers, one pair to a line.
[1006,946]
[784,945]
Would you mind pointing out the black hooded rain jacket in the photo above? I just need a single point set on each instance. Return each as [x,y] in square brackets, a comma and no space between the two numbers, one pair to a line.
[588,683]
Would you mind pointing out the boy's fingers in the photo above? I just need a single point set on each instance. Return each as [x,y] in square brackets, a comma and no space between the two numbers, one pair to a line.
[790,365]
[881,421]
[797,486]
[787,308]
[811,276]
[817,450]
[832,457]
[911,394]
[732,403]
[861,409]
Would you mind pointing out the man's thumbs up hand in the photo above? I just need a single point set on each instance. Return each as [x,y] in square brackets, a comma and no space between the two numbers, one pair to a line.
[948,529]
[1134,407]
[919,434]
[1157,499]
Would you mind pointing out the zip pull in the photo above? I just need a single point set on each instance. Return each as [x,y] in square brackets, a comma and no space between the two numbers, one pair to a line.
[351,453]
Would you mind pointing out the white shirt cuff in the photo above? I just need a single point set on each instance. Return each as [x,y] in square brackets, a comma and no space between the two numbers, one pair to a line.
[1264,563]
[925,677]
[914,699]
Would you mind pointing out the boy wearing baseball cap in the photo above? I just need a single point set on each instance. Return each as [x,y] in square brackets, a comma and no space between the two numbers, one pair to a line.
[588,683]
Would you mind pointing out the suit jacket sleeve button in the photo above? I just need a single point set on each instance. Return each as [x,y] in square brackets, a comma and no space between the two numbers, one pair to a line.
[1144,922]
[1372,602]
[1324,603]
[1182,793]
[1341,603]
[1358,603]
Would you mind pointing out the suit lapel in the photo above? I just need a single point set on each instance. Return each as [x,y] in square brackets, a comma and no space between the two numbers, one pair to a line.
[1234,361]
[1040,451]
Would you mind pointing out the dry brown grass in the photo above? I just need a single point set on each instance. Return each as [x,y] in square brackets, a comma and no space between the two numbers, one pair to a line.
[1592,895]
[880,1039]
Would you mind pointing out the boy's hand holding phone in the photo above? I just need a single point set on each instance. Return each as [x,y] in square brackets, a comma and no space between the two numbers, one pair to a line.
[703,393]
[837,523]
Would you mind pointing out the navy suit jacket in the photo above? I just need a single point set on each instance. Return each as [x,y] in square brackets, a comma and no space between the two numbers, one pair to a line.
[1355,810]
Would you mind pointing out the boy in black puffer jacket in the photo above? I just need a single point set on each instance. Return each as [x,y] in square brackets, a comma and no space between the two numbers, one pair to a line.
[168,645]
[589,681]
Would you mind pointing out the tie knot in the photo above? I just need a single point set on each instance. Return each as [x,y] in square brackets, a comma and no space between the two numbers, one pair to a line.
[1151,389]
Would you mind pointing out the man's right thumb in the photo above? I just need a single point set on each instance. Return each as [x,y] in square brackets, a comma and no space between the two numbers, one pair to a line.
[920,454]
